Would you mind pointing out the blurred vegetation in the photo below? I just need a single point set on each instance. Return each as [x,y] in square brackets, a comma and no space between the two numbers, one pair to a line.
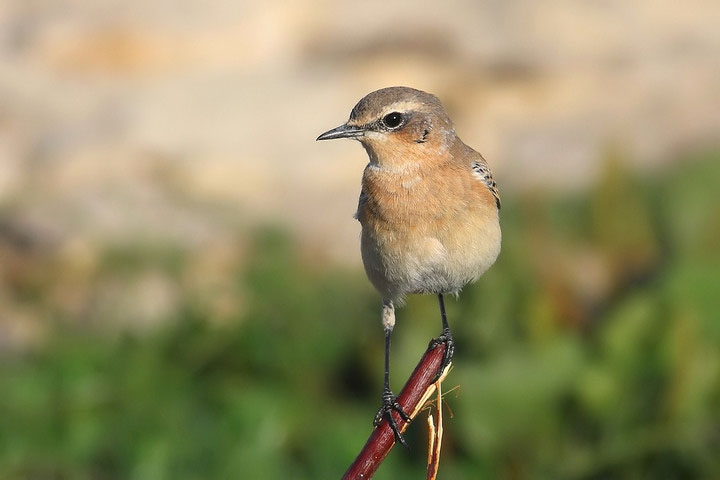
[589,351]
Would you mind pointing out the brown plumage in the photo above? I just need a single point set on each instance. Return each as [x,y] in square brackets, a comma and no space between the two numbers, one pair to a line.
[429,206]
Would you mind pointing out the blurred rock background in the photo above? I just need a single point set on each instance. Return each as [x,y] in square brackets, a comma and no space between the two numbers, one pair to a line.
[158,167]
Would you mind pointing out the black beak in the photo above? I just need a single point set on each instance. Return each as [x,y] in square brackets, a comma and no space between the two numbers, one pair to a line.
[343,131]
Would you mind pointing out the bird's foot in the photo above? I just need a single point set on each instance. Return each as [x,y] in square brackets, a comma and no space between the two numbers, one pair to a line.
[390,404]
[446,338]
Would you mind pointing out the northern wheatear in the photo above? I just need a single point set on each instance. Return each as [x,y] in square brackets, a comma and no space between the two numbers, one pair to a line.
[429,208]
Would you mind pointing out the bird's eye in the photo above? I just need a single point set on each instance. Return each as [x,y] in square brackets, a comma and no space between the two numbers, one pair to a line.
[393,120]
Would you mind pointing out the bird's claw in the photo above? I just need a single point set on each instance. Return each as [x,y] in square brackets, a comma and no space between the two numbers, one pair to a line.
[390,404]
[446,338]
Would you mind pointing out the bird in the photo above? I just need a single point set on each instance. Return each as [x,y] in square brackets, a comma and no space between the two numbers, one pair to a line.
[428,209]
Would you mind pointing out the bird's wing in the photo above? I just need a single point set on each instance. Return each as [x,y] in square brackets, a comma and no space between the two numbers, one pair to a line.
[482,172]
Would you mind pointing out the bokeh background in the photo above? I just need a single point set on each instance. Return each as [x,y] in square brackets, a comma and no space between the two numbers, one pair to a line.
[181,294]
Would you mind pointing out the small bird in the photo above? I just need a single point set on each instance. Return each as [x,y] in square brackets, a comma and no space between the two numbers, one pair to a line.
[429,209]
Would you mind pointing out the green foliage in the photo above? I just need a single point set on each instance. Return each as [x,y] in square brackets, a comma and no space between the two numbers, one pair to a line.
[590,350]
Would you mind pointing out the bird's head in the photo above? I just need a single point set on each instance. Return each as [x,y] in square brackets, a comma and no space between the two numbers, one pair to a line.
[398,126]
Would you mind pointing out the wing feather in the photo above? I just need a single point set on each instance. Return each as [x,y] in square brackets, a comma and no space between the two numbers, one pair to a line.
[482,171]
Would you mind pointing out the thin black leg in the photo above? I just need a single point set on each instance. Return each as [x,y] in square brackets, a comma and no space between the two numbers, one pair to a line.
[388,334]
[389,400]
[443,315]
[445,337]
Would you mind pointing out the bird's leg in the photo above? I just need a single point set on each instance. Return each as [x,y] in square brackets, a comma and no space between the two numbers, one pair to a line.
[445,337]
[389,400]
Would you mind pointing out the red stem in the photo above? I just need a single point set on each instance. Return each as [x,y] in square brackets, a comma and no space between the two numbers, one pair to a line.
[381,439]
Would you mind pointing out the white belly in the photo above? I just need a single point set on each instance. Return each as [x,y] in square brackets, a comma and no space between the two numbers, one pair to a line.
[401,263]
